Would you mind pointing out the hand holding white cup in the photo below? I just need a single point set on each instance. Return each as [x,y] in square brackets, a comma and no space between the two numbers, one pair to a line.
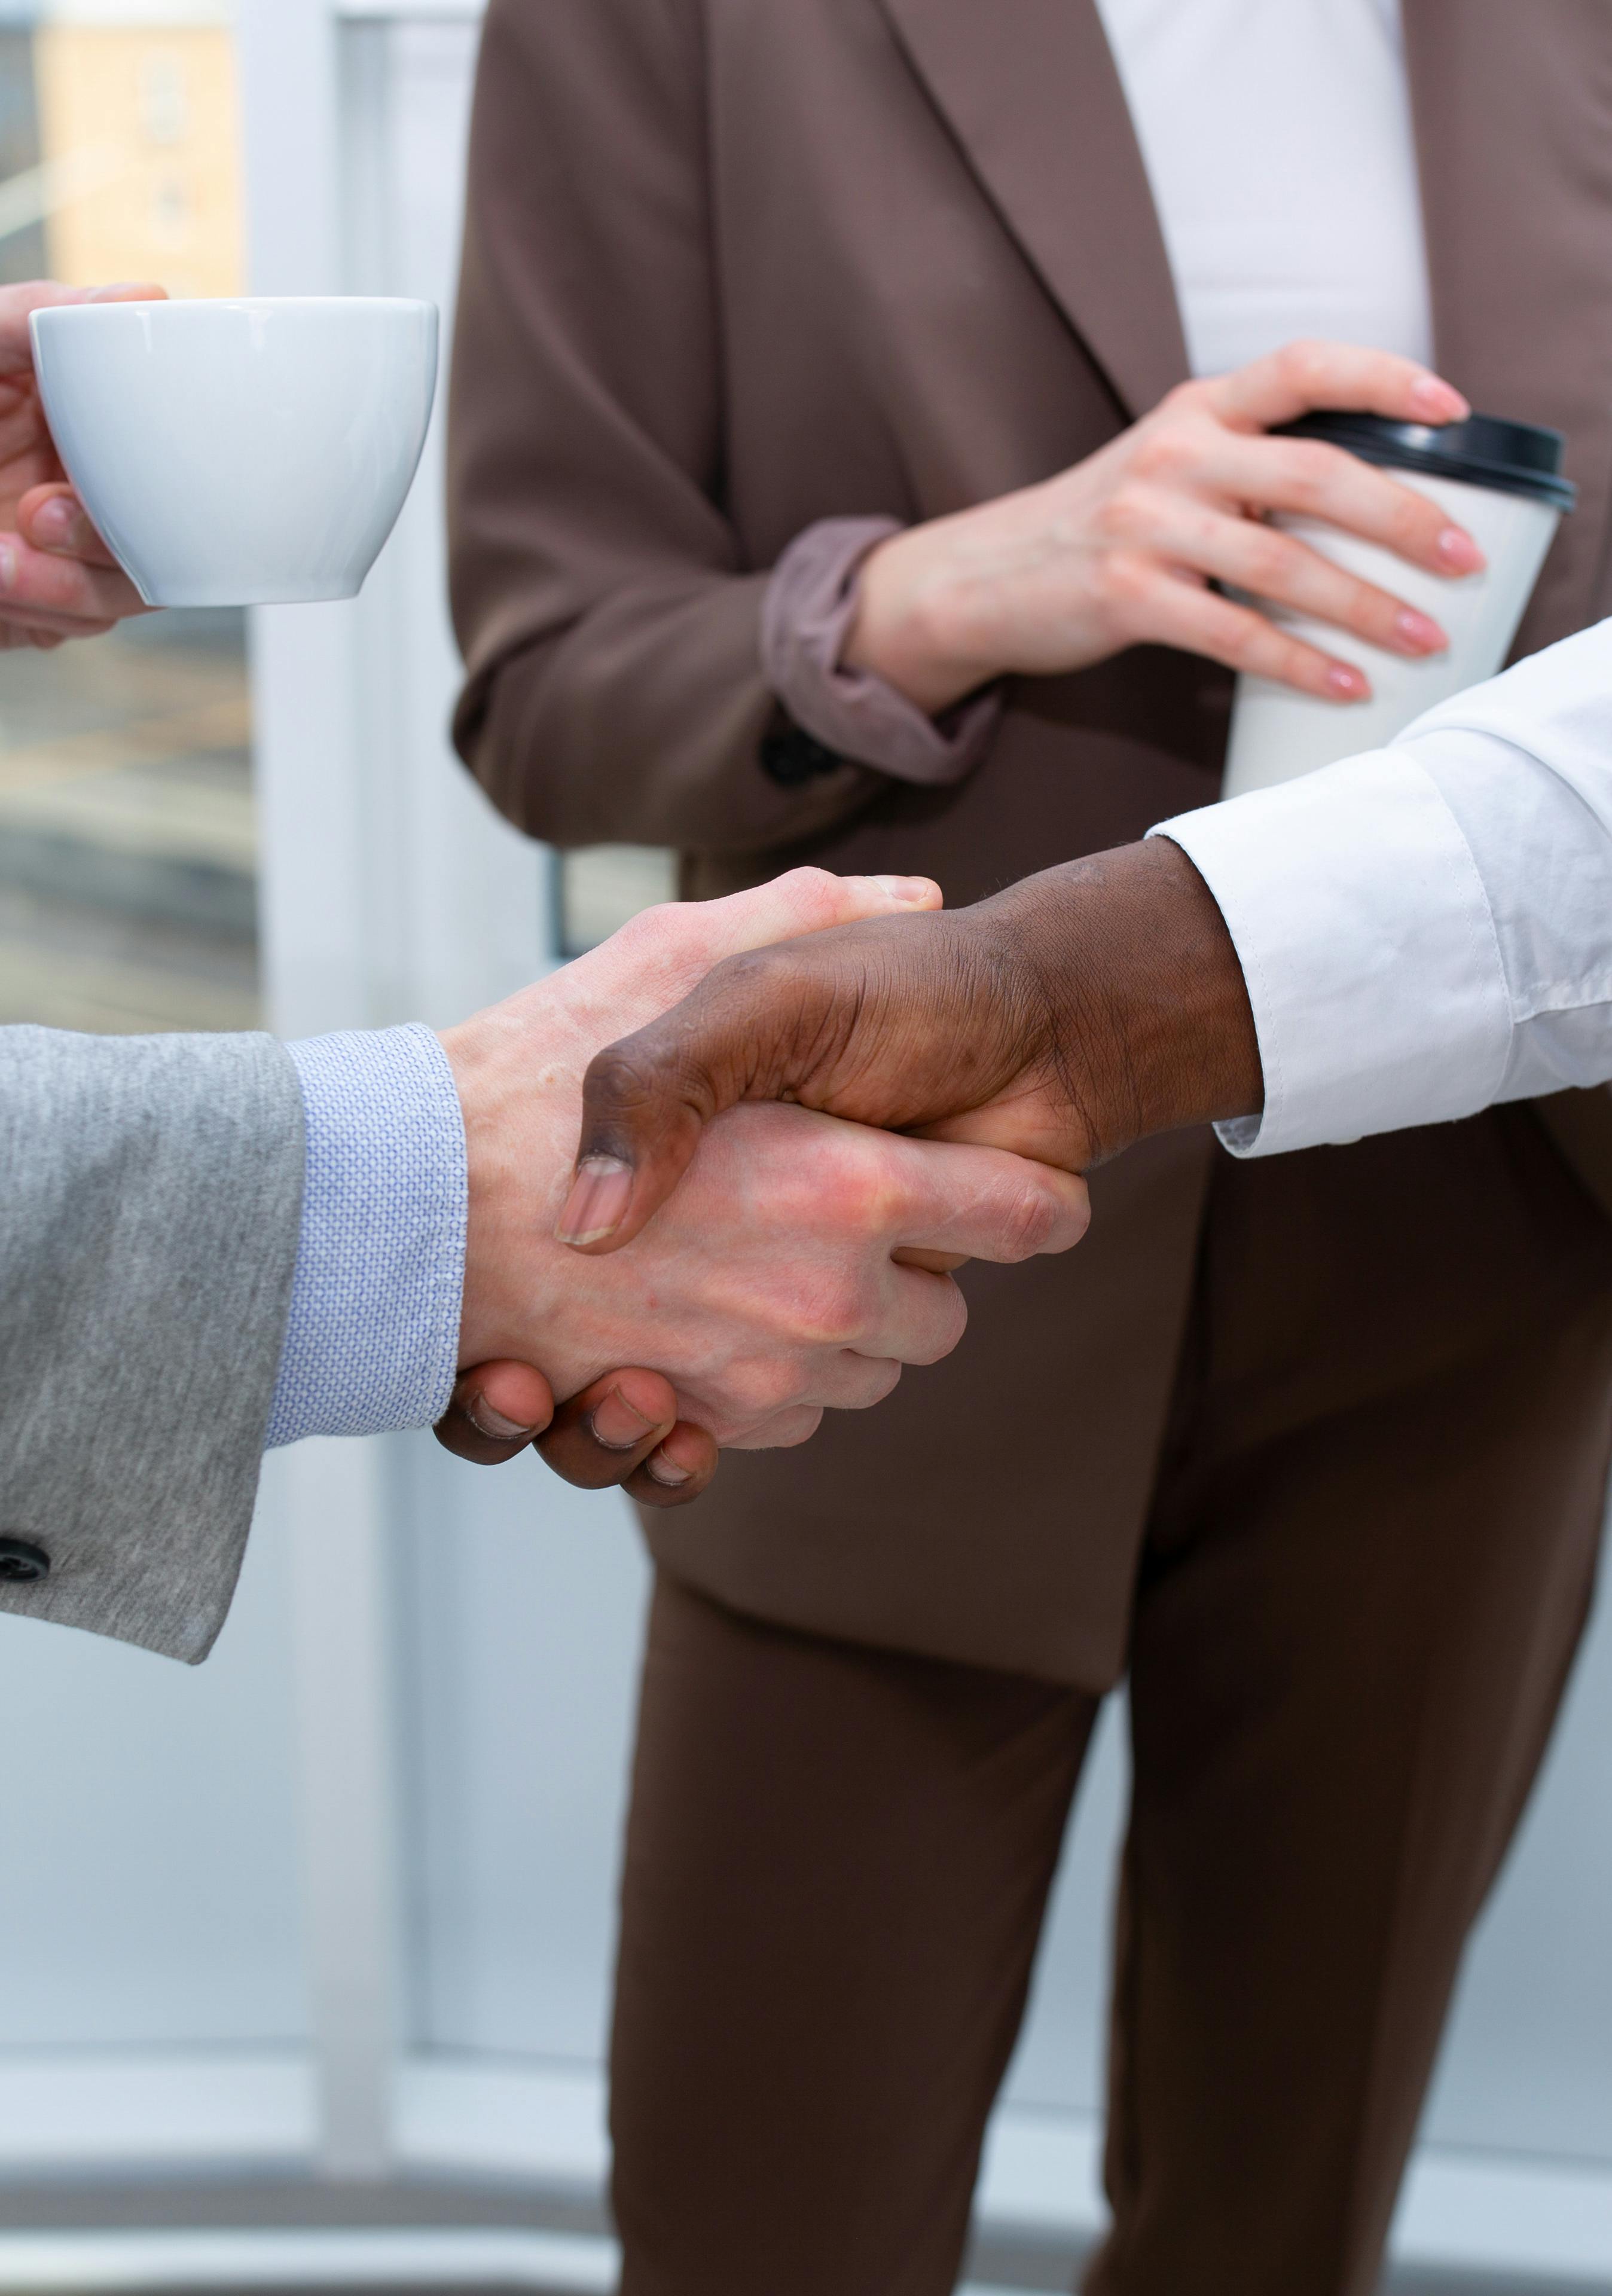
[1502,482]
[248,452]
[1138,543]
[47,596]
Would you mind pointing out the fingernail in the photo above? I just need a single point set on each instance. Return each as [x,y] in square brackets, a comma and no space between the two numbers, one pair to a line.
[1345,684]
[915,891]
[1459,552]
[8,567]
[1418,632]
[616,1424]
[58,523]
[597,1204]
[125,291]
[492,1424]
[668,1473]
[1437,400]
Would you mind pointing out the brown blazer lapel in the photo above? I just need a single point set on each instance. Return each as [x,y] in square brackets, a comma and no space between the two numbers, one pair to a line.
[1513,107]
[1029,89]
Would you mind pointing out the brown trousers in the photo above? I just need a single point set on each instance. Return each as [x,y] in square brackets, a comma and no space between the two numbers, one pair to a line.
[1368,1562]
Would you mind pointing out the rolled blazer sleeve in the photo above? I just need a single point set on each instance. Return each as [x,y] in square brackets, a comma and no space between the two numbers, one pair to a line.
[148,1238]
[612,628]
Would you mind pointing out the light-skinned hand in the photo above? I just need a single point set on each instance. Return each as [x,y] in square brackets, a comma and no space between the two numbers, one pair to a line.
[802,1265]
[1074,1013]
[1122,549]
[58,580]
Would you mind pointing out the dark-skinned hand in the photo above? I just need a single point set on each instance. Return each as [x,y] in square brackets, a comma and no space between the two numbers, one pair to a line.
[1064,1019]
[622,1433]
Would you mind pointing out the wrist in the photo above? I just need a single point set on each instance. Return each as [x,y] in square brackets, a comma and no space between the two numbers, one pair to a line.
[513,1096]
[911,627]
[1145,1000]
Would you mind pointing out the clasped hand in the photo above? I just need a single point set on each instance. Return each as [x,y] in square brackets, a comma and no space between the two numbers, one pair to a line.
[1079,1011]
[805,1260]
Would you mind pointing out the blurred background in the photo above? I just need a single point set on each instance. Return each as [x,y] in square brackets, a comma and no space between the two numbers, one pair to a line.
[307,1953]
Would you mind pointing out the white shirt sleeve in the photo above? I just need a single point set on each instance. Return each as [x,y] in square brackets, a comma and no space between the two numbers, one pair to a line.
[1427,929]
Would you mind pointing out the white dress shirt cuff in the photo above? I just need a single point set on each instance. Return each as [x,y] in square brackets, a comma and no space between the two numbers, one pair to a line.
[1368,947]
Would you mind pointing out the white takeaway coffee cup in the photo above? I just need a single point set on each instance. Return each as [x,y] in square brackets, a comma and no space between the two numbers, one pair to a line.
[243,453]
[1502,482]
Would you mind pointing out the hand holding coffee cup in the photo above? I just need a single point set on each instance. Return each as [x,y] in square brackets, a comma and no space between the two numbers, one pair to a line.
[46,595]
[1140,543]
[248,452]
[1502,482]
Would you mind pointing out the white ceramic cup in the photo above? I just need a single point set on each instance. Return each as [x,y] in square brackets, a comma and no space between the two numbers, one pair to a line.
[247,453]
[1278,734]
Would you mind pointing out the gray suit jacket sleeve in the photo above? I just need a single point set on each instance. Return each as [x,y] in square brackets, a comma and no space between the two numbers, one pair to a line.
[147,1236]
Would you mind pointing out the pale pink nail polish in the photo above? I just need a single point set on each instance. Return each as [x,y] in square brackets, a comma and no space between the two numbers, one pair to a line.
[1418,632]
[1459,554]
[1438,401]
[597,1204]
[8,567]
[1346,685]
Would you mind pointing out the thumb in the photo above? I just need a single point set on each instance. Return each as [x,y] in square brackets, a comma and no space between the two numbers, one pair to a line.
[744,1032]
[806,901]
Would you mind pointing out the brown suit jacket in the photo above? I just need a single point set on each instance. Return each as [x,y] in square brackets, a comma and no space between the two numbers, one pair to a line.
[735,265]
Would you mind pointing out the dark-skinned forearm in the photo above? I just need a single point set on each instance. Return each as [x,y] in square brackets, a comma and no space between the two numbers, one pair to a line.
[1144,1000]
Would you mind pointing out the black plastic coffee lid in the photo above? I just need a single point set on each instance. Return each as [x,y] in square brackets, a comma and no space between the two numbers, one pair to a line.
[1514,458]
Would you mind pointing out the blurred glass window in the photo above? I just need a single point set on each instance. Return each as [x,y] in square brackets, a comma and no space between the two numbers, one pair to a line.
[127,847]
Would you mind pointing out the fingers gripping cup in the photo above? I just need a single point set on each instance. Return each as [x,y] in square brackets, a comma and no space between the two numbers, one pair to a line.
[254,452]
[1501,480]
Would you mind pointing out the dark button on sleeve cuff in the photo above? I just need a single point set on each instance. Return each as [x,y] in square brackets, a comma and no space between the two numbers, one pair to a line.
[20,1563]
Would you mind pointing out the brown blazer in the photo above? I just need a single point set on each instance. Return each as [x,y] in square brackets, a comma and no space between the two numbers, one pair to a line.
[735,265]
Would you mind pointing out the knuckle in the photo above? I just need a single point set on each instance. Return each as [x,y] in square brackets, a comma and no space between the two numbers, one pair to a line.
[1286,659]
[653,923]
[1313,469]
[1274,559]
[1303,363]
[756,1389]
[1127,515]
[947,1321]
[1129,578]
[1028,1218]
[861,1195]
[621,1080]
[1166,452]
[1414,523]
[1182,398]
[1250,642]
[873,1383]
[837,1313]
[816,894]
[792,1429]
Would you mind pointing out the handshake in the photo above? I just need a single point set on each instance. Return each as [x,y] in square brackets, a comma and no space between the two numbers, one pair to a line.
[801,1109]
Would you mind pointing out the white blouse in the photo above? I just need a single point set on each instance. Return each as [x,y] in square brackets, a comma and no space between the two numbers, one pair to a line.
[1278,140]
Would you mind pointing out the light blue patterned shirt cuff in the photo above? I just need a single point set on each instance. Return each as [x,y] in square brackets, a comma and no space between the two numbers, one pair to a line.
[372,1342]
